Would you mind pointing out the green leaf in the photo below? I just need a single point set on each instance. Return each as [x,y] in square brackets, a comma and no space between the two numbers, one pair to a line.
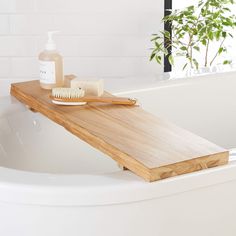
[210,35]
[215,15]
[158,45]
[167,34]
[155,38]
[221,49]
[152,56]
[158,59]
[226,9]
[197,48]
[204,42]
[190,8]
[217,34]
[195,62]
[184,67]
[166,52]
[171,59]
[183,48]
[227,62]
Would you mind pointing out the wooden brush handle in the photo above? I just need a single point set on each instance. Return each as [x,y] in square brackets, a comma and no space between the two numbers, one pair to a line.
[111,100]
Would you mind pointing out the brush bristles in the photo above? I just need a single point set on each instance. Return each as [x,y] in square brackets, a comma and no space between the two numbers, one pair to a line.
[67,92]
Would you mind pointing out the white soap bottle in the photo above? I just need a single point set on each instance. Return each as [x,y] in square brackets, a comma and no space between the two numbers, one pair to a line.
[51,65]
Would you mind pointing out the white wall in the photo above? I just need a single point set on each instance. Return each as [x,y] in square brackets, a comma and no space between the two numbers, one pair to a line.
[102,38]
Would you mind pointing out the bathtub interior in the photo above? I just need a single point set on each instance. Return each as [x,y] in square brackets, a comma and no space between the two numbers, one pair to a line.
[205,106]
[31,142]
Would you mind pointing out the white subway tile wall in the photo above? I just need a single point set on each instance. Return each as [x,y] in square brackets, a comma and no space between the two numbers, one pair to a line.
[98,38]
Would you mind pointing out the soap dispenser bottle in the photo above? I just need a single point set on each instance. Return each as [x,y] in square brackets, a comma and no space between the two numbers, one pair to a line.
[51,65]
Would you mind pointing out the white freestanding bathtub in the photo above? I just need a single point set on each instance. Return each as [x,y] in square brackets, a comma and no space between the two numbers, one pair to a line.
[51,183]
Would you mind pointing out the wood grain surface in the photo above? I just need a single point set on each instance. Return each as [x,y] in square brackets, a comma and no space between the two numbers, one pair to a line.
[150,147]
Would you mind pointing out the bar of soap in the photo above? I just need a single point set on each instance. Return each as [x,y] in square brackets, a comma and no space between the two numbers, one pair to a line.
[68,79]
[91,88]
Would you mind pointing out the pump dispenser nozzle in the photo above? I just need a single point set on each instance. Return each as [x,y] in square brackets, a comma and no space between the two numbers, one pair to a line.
[51,44]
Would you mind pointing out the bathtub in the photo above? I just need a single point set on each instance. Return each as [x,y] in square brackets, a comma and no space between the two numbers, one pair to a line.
[52,183]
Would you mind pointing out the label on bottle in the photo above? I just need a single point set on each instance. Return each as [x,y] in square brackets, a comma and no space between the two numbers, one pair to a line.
[47,72]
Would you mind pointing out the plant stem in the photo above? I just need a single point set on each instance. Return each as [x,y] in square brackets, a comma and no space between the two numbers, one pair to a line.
[189,50]
[207,50]
[217,52]
[191,55]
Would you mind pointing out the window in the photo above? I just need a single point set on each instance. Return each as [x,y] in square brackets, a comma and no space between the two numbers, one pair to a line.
[230,43]
[168,6]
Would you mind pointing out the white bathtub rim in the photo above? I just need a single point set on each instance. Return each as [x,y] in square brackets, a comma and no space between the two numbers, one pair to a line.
[27,188]
[129,84]
[122,85]
[163,82]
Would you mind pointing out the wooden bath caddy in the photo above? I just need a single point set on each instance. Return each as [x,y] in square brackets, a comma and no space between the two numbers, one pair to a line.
[148,146]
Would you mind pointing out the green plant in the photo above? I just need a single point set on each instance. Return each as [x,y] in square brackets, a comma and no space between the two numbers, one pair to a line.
[195,29]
